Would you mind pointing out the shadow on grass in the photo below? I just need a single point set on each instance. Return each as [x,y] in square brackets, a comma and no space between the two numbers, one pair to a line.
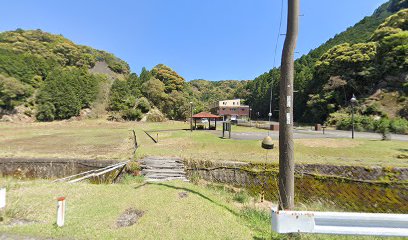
[141,185]
[198,194]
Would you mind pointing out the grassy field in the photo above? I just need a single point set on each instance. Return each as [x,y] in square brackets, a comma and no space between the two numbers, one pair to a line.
[207,211]
[98,139]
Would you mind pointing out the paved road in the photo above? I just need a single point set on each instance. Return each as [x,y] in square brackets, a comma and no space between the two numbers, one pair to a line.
[310,134]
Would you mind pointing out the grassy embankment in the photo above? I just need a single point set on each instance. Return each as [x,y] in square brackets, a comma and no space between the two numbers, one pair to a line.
[98,139]
[206,211]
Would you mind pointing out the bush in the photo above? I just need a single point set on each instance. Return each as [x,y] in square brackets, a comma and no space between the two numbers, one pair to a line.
[132,114]
[404,112]
[12,92]
[143,104]
[399,125]
[45,112]
[343,121]
[155,116]
[383,127]
[241,197]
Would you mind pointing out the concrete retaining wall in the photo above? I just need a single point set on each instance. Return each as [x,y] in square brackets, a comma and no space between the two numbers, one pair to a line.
[48,168]
[351,188]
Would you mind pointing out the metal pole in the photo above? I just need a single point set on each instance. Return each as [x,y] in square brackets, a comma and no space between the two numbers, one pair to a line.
[352,120]
[191,116]
[286,145]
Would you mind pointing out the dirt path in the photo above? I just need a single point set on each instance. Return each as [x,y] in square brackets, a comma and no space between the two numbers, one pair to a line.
[157,169]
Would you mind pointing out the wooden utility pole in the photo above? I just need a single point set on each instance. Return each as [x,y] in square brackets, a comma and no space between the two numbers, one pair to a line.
[286,148]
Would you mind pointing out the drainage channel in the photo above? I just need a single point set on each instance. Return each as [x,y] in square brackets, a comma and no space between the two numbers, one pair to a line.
[49,168]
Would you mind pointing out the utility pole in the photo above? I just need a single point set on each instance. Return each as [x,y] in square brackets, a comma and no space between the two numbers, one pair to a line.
[286,148]
[191,116]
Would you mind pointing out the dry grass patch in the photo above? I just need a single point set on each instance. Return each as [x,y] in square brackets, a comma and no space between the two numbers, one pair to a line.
[328,143]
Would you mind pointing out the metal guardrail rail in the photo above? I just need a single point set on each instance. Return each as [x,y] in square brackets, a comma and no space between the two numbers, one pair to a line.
[92,173]
[347,223]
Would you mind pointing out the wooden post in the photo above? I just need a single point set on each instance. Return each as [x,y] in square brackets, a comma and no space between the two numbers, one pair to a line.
[191,116]
[286,146]
[157,137]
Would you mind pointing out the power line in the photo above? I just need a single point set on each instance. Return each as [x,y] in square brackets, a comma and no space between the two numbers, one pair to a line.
[274,60]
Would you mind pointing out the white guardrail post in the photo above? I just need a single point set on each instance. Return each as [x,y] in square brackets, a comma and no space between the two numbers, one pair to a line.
[348,223]
[61,211]
[2,198]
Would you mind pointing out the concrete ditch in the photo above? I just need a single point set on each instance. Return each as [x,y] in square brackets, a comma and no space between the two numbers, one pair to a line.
[350,188]
[48,168]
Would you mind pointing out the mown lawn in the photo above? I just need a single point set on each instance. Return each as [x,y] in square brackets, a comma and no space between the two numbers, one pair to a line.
[99,139]
[206,211]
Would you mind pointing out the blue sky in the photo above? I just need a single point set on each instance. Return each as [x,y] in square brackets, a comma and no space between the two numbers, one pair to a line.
[200,39]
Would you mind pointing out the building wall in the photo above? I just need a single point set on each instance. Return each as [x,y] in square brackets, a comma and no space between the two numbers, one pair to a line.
[229,103]
[238,111]
[228,108]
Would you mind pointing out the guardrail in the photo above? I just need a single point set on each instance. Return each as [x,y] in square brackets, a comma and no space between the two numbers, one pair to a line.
[93,173]
[347,223]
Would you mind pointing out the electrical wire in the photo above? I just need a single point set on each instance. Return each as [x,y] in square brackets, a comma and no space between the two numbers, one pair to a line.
[274,61]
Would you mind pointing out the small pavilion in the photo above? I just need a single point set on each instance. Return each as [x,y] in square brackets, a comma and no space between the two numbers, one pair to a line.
[206,115]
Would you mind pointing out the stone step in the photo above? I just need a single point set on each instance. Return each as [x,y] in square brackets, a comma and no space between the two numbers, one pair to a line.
[161,165]
[163,169]
[159,171]
[163,175]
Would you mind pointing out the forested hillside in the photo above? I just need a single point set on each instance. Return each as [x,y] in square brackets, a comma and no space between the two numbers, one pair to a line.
[368,59]
[47,75]
[208,92]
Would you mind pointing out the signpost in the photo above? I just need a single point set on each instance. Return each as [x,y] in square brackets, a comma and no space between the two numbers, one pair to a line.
[226,127]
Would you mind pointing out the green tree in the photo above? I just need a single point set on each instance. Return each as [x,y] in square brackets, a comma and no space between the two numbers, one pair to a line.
[153,90]
[67,90]
[12,92]
[144,75]
[172,81]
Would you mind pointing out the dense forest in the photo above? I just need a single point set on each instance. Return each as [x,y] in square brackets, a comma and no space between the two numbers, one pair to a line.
[368,60]
[47,77]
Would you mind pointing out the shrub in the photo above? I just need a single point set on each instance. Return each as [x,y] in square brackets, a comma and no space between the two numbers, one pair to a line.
[343,121]
[404,112]
[45,112]
[12,92]
[200,127]
[143,104]
[132,114]
[115,116]
[155,116]
[383,127]
[399,125]
[241,197]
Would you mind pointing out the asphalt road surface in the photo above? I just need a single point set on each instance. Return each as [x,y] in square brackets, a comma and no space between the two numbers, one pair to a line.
[310,134]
